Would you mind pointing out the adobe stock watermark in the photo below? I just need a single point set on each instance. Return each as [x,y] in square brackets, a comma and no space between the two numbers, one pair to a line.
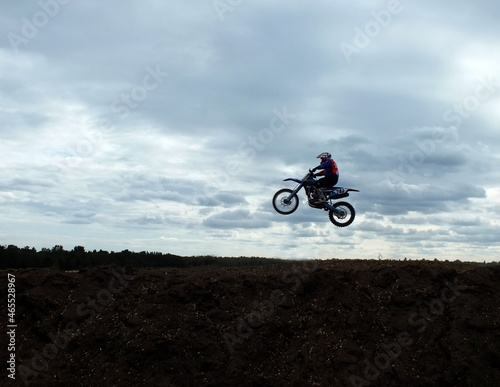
[59,341]
[247,150]
[389,352]
[30,27]
[128,101]
[131,99]
[372,29]
[246,325]
[455,116]
[222,7]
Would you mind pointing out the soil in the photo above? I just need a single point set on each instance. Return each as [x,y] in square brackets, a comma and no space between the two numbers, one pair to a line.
[320,323]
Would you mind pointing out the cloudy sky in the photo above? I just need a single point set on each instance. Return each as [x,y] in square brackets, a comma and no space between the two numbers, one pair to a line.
[168,125]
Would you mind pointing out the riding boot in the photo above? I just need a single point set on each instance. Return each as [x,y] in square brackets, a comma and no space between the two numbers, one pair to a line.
[319,196]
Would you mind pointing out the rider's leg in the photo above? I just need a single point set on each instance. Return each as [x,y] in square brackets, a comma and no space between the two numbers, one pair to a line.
[320,197]
[322,183]
[333,180]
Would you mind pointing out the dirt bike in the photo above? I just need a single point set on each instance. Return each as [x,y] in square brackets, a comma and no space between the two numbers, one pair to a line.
[341,214]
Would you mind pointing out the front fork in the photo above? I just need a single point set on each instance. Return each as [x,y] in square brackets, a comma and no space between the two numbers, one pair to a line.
[295,191]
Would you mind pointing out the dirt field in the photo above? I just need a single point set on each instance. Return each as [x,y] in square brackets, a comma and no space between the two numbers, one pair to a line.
[324,323]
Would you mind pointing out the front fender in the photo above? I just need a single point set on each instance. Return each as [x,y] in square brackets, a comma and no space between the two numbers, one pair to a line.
[300,181]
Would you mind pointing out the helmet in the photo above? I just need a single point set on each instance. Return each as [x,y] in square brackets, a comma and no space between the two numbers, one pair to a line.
[324,156]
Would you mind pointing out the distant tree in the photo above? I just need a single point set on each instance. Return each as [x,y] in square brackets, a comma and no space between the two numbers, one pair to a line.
[57,249]
[79,249]
[14,257]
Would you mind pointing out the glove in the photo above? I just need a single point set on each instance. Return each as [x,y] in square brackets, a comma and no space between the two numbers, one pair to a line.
[314,169]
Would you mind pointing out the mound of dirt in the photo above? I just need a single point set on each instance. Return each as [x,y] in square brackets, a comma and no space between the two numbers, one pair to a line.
[319,323]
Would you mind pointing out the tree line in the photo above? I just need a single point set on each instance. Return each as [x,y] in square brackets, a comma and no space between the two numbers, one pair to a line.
[13,257]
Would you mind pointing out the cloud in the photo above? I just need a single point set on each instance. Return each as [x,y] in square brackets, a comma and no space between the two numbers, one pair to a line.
[234,219]
[156,123]
[424,198]
[221,198]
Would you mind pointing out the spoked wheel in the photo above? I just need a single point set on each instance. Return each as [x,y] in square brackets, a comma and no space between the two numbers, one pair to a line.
[345,218]
[283,203]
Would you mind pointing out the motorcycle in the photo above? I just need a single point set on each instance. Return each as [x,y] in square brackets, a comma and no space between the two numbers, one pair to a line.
[341,214]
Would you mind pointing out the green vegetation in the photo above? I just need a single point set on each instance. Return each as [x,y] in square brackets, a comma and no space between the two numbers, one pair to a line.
[13,257]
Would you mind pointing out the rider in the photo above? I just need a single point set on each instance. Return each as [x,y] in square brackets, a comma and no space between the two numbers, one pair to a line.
[330,171]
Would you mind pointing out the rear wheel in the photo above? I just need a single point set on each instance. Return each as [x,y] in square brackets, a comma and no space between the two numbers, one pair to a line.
[346,216]
[283,203]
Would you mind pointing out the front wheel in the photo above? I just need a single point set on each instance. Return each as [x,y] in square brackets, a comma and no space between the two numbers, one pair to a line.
[346,216]
[283,203]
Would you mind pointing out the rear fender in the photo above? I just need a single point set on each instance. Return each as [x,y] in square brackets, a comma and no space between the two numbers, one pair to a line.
[338,196]
[341,192]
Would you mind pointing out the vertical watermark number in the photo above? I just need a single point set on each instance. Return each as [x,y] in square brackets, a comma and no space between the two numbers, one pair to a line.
[11,325]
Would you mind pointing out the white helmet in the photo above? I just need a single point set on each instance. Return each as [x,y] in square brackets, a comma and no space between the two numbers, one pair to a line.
[324,156]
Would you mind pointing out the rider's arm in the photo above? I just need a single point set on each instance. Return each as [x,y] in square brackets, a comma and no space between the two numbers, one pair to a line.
[323,166]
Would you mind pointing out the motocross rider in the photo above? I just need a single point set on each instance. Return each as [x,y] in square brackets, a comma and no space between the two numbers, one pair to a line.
[330,172]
